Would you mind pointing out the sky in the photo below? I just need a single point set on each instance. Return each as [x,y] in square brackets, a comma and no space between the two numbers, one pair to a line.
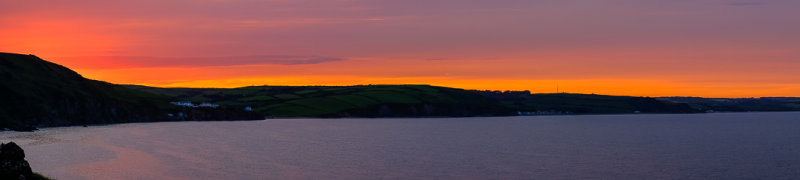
[709,48]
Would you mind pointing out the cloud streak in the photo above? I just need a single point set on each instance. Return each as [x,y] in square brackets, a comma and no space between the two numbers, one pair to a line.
[94,62]
[748,4]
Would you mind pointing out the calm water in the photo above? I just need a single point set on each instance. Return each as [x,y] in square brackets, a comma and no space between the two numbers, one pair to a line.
[699,146]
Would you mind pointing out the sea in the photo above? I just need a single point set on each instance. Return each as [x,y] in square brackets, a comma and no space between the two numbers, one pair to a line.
[641,146]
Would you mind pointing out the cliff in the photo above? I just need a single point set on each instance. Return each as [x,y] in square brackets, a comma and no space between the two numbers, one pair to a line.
[37,93]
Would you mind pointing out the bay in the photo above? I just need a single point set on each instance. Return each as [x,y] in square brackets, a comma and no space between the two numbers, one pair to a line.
[659,146]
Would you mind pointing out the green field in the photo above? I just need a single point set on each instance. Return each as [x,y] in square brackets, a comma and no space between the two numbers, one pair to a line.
[408,101]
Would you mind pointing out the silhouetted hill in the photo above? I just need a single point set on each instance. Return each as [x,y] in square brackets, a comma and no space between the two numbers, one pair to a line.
[39,93]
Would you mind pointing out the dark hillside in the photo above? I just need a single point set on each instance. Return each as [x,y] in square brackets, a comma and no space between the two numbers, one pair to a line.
[565,103]
[739,104]
[40,93]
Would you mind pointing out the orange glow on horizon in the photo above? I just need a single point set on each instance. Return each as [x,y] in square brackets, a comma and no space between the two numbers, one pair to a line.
[643,48]
[632,87]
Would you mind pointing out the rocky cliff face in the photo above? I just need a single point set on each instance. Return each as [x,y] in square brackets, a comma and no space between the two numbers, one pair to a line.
[12,163]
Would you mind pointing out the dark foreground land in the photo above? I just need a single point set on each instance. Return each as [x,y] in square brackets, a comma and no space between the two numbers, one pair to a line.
[38,93]
[13,165]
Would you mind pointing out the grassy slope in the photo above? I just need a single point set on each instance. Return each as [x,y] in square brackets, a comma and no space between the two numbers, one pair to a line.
[409,100]
[337,101]
[579,103]
[37,176]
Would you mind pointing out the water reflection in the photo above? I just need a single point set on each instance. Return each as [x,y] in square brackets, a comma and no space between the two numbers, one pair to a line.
[718,146]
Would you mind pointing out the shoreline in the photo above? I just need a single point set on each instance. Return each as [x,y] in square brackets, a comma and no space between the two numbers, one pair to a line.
[388,118]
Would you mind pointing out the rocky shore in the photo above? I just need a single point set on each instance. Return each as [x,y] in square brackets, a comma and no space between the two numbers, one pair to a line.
[13,165]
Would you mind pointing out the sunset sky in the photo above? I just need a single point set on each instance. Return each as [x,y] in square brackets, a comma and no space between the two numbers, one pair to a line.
[710,48]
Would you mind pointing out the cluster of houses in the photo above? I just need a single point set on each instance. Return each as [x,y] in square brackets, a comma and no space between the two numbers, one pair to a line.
[190,104]
[180,114]
[551,112]
[205,104]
